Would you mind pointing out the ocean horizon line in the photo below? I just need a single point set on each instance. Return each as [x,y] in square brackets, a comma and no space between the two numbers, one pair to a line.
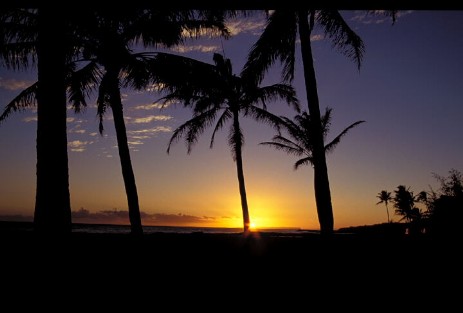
[125,228]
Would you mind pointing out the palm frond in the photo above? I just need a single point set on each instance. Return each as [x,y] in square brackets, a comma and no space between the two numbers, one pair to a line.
[178,73]
[279,91]
[277,42]
[285,145]
[262,115]
[343,37]
[82,83]
[137,70]
[26,99]
[329,147]
[18,37]
[226,115]
[103,100]
[304,161]
[18,55]
[192,128]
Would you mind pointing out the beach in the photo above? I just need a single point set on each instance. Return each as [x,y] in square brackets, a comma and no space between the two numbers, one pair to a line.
[267,267]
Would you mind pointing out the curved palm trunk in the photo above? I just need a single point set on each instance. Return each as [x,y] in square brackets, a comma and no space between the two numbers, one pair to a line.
[321,181]
[52,203]
[240,172]
[124,155]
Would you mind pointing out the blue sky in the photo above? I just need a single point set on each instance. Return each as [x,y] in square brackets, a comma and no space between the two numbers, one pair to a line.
[408,91]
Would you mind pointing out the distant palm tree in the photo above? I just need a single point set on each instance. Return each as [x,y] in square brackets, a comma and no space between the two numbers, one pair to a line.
[404,203]
[384,197]
[216,94]
[301,141]
[278,42]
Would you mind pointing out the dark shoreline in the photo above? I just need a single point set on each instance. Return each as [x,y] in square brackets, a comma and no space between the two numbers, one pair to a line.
[355,242]
[293,271]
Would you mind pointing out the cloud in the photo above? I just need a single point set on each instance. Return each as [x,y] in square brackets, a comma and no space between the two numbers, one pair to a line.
[200,48]
[253,26]
[93,134]
[151,118]
[14,84]
[154,219]
[150,106]
[79,146]
[30,119]
[317,37]
[157,129]
[79,131]
[70,119]
[140,137]
[137,142]
[377,17]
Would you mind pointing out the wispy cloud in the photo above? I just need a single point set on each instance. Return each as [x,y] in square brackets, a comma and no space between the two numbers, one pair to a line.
[150,118]
[136,142]
[253,26]
[150,106]
[122,217]
[78,145]
[317,37]
[157,129]
[200,48]
[30,119]
[377,17]
[14,84]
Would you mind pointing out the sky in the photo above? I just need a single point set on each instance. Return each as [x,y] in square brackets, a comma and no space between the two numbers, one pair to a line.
[408,90]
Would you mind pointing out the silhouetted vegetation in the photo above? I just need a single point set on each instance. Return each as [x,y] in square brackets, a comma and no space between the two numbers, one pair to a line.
[104,41]
[278,42]
[216,94]
[385,197]
[301,140]
[443,208]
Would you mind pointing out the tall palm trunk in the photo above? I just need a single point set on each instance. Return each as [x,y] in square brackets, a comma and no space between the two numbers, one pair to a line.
[52,203]
[387,210]
[239,170]
[124,155]
[321,181]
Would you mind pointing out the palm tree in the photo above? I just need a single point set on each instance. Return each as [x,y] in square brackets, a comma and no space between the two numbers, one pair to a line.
[384,197]
[216,94]
[404,203]
[28,37]
[106,40]
[301,141]
[278,42]
[111,46]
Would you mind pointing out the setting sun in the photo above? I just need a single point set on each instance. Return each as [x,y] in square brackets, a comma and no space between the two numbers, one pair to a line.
[252,226]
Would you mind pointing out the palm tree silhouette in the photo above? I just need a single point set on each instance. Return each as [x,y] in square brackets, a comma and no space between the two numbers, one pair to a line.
[28,37]
[111,46]
[216,94]
[278,42]
[106,40]
[404,203]
[301,141]
[384,197]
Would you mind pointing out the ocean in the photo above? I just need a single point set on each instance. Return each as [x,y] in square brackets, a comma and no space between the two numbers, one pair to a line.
[125,229]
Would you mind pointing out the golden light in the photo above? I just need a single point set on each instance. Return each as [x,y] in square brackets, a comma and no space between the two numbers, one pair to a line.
[252,226]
